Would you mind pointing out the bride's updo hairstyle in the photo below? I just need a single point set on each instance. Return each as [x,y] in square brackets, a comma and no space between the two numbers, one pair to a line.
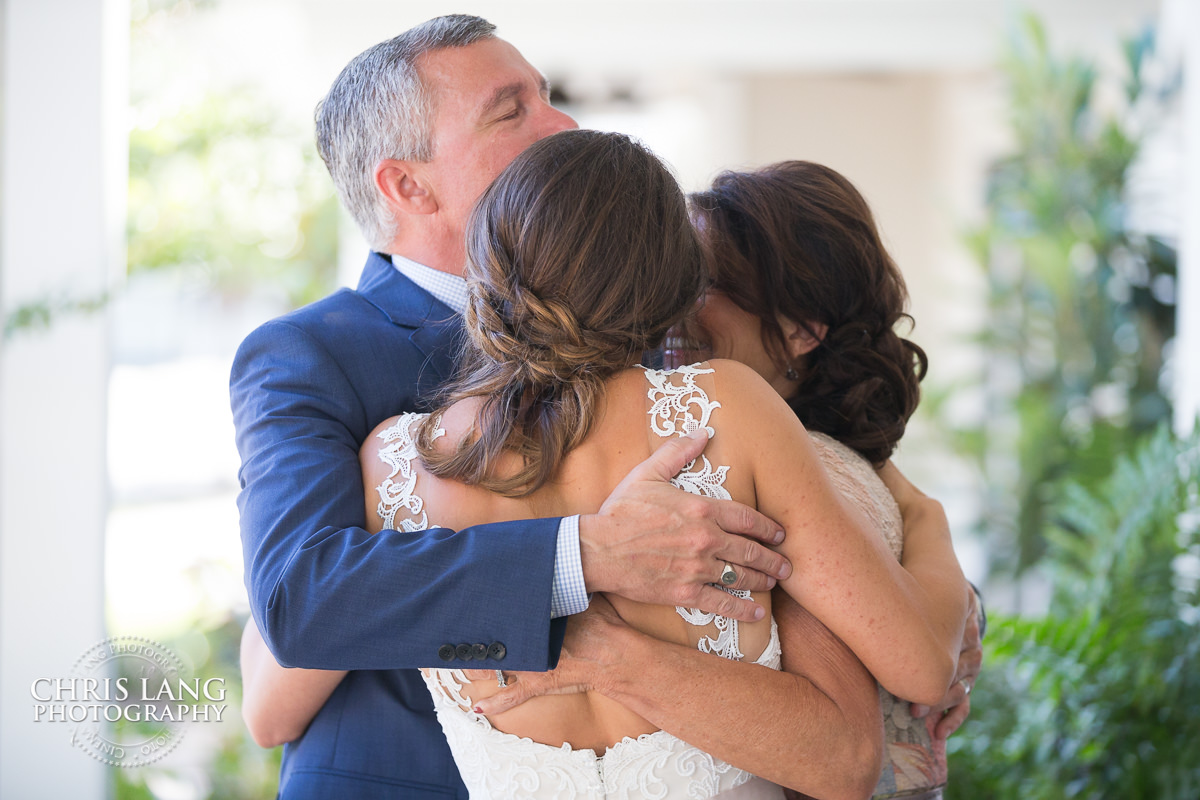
[796,240]
[580,256]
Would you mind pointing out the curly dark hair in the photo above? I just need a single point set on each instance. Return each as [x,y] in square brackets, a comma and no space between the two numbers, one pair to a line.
[796,240]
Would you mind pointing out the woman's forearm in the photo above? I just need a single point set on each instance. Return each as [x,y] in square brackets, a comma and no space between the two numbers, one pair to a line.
[843,571]
[278,702]
[929,557]
[815,727]
[906,626]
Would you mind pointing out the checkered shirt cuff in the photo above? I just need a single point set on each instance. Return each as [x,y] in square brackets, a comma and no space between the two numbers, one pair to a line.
[568,595]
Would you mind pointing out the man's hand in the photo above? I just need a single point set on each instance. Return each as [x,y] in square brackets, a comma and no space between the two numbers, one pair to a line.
[588,648]
[654,543]
[952,711]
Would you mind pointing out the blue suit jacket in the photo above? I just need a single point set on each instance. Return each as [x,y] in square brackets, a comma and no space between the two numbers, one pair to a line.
[306,390]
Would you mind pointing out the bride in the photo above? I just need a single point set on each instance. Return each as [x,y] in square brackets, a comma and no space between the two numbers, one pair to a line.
[580,257]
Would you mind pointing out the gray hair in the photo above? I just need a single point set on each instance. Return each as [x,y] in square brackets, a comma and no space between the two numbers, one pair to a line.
[380,108]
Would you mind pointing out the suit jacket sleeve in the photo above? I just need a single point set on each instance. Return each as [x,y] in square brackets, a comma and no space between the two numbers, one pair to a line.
[325,593]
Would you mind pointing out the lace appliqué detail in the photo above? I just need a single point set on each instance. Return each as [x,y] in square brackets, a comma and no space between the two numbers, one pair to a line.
[495,764]
[671,414]
[677,409]
[398,494]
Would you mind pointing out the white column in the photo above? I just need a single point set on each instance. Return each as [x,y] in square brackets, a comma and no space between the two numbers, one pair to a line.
[63,164]
[1187,308]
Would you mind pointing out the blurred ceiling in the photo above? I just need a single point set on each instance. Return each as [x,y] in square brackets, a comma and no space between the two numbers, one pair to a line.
[618,37]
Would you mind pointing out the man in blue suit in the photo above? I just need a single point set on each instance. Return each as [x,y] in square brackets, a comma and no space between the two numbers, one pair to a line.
[412,131]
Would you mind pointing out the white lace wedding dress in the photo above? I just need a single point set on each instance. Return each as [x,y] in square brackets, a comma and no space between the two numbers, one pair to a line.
[495,764]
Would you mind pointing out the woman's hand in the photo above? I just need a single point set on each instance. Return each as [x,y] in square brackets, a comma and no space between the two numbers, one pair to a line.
[906,495]
[590,645]
[947,716]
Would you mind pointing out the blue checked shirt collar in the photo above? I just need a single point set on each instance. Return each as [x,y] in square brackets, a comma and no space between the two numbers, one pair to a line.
[450,289]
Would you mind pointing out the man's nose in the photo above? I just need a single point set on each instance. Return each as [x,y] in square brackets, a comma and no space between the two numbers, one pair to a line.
[556,121]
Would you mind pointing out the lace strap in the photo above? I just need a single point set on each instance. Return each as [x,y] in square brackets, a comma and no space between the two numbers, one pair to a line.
[397,493]
[678,407]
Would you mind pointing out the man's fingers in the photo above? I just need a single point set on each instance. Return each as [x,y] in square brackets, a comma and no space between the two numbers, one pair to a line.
[748,579]
[734,517]
[715,601]
[671,457]
[918,711]
[743,554]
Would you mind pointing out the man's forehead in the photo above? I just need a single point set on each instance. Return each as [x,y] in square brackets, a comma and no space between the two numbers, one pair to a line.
[478,75]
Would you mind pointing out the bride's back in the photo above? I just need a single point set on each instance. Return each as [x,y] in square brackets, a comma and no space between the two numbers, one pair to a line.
[623,434]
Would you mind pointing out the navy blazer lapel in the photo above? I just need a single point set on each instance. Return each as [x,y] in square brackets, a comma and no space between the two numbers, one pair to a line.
[436,327]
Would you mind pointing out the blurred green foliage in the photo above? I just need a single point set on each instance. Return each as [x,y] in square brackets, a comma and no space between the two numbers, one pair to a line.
[225,184]
[223,180]
[1080,305]
[232,766]
[1101,697]
[41,314]
[231,187]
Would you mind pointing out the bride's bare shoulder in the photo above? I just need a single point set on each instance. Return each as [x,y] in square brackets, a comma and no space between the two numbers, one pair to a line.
[754,411]
[740,385]
[458,423]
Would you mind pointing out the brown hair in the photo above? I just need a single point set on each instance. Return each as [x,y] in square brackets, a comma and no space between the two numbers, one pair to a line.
[580,255]
[797,240]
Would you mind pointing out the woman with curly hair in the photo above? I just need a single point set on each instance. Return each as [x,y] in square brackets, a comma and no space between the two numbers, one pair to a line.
[804,292]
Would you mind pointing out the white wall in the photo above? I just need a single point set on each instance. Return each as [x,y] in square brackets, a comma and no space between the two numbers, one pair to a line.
[63,173]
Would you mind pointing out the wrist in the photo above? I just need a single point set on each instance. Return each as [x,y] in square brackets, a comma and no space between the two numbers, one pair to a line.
[617,656]
[975,607]
[592,553]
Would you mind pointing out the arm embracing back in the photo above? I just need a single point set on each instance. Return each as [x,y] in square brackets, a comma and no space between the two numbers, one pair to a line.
[816,726]
[843,572]
[929,554]
[324,592]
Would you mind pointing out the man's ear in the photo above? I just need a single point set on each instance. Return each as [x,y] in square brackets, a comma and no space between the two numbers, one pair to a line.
[798,339]
[403,187]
